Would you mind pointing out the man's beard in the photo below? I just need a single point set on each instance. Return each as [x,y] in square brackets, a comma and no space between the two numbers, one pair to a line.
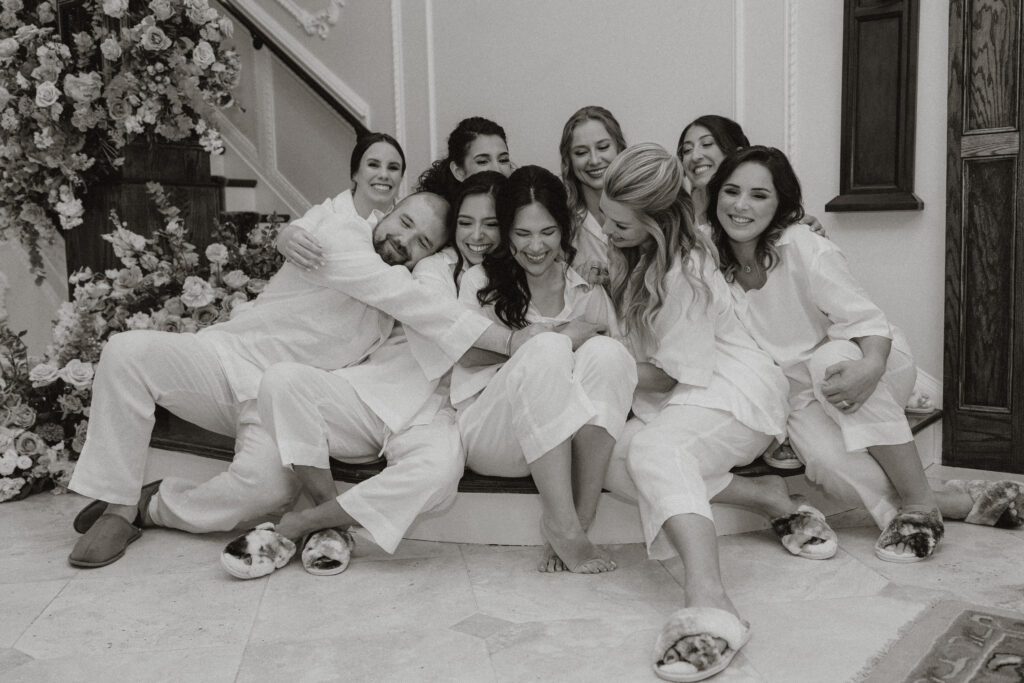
[391,253]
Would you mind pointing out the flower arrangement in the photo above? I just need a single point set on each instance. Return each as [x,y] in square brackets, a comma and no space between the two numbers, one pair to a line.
[164,284]
[67,110]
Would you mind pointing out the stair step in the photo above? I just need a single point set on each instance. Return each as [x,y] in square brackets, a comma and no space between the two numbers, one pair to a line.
[173,433]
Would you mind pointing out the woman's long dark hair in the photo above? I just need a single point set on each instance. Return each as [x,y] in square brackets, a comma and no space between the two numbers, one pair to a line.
[507,289]
[789,211]
[438,178]
[728,134]
[484,182]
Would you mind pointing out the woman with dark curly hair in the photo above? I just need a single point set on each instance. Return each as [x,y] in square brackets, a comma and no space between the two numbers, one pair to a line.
[554,408]
[477,144]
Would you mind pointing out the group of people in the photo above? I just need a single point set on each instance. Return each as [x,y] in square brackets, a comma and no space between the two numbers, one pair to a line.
[644,323]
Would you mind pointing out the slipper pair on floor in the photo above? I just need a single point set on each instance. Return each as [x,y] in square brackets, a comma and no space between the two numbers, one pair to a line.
[262,551]
[995,503]
[697,643]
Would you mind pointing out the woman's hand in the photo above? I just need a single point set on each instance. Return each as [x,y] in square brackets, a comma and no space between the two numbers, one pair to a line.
[579,331]
[849,383]
[299,247]
[815,225]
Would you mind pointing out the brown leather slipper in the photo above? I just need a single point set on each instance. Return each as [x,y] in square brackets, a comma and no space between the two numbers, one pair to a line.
[105,542]
[91,512]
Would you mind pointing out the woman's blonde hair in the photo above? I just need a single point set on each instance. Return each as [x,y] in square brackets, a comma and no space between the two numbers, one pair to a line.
[649,180]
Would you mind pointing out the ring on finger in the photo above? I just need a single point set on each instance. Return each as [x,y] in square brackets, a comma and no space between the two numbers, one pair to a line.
[843,404]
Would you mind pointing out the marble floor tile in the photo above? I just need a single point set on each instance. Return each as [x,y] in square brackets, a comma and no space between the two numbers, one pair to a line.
[756,568]
[979,563]
[368,598]
[206,664]
[507,585]
[143,613]
[818,641]
[404,655]
[38,536]
[21,604]
[367,550]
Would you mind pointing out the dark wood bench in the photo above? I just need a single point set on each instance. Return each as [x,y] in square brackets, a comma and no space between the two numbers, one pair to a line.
[174,434]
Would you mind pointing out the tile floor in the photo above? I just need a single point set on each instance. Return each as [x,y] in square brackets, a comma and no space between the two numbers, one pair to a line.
[450,612]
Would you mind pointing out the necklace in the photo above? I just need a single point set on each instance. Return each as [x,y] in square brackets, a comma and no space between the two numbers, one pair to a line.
[747,269]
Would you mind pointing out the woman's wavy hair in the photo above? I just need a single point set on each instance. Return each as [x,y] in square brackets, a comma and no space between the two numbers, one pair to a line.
[482,183]
[789,211]
[364,143]
[727,133]
[573,187]
[438,178]
[649,180]
[507,289]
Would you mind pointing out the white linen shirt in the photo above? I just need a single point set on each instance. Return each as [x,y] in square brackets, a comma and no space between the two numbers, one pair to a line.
[581,301]
[336,315]
[810,298]
[706,350]
[591,260]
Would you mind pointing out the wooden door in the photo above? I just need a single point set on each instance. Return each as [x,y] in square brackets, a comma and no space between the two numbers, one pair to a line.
[983,398]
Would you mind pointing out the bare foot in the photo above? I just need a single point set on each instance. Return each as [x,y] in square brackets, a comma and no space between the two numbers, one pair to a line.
[292,526]
[550,562]
[579,555]
[702,650]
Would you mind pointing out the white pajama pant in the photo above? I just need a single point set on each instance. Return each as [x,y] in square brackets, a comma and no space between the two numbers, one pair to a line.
[315,415]
[676,463]
[834,445]
[141,369]
[541,397]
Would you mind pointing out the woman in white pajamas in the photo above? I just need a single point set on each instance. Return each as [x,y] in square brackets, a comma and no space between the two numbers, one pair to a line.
[591,138]
[555,407]
[708,399]
[376,167]
[850,372]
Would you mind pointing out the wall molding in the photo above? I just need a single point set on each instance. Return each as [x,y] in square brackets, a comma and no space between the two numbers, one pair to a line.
[739,104]
[791,82]
[428,7]
[318,24]
[398,73]
[324,76]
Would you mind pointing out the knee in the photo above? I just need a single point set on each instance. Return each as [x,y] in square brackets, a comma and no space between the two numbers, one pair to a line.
[544,354]
[829,354]
[126,350]
[606,352]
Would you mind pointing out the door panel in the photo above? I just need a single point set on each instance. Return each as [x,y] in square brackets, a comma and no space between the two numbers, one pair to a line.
[983,396]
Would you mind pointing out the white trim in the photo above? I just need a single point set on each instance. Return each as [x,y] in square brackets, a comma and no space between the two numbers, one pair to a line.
[739,68]
[398,71]
[318,24]
[268,175]
[324,76]
[791,81]
[428,9]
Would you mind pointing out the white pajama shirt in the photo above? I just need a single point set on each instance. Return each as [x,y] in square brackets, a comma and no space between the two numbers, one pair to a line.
[514,412]
[728,404]
[591,260]
[329,318]
[806,317]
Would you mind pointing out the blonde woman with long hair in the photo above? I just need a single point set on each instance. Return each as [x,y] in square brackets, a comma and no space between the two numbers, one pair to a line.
[708,399]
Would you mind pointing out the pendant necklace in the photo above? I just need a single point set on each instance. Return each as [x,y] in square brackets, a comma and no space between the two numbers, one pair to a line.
[746,269]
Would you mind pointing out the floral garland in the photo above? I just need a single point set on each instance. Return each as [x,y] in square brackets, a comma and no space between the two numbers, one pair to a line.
[163,285]
[68,110]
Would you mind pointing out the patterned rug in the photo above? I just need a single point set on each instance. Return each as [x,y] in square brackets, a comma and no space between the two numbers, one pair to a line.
[955,642]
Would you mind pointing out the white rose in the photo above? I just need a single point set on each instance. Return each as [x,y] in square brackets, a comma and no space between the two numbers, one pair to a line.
[8,47]
[8,462]
[217,253]
[236,279]
[83,88]
[5,97]
[24,462]
[115,8]
[77,374]
[43,375]
[161,9]
[46,94]
[111,49]
[154,39]
[203,55]
[196,292]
